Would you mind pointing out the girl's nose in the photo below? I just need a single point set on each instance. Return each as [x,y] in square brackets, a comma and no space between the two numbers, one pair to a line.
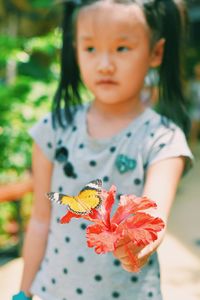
[106,64]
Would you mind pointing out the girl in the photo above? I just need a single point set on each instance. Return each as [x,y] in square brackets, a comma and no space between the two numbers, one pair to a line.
[108,46]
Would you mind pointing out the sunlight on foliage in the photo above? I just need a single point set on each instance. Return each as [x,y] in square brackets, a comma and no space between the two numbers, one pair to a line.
[23,102]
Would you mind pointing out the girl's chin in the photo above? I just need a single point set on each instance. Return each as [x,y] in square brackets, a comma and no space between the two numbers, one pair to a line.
[109,101]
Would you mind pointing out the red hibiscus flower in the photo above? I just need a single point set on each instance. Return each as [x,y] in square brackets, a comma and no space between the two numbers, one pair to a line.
[128,222]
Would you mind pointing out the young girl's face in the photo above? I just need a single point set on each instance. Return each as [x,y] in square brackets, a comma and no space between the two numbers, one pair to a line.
[113,51]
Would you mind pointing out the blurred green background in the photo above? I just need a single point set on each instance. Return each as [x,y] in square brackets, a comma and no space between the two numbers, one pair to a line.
[29,54]
[30,41]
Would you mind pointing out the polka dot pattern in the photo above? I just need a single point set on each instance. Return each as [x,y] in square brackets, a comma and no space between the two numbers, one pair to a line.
[81,146]
[60,189]
[117,262]
[145,166]
[79,291]
[150,262]
[80,259]
[92,163]
[105,179]
[115,294]
[162,145]
[69,170]
[49,145]
[112,149]
[118,196]
[65,271]
[150,294]
[67,239]
[70,262]
[61,154]
[137,181]
[83,226]
[98,277]
[134,279]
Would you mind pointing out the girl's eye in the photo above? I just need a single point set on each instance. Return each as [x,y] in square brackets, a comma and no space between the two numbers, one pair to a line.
[122,49]
[90,49]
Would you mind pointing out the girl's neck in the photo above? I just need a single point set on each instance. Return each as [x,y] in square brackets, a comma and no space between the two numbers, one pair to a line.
[127,111]
[105,121]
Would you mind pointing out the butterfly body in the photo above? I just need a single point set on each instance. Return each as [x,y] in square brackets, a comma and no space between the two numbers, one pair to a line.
[88,198]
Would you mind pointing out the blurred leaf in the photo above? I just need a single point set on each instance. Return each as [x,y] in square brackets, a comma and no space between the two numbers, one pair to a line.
[42,3]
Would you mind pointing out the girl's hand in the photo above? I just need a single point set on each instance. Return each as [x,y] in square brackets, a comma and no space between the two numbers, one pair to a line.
[161,184]
[133,257]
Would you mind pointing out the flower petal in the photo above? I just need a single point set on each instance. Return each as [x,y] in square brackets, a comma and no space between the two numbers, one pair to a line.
[141,228]
[107,204]
[109,198]
[130,204]
[93,216]
[69,215]
[102,240]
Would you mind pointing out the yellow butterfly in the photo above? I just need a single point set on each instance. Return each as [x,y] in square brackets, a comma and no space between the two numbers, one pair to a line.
[88,198]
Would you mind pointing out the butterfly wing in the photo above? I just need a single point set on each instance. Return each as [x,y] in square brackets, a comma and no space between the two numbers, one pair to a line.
[88,198]
[60,198]
[72,203]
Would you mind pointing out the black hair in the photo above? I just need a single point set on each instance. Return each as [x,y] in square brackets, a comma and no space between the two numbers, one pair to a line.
[165,20]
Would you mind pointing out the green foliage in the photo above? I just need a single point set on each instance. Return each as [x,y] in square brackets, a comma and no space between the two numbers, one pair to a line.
[22,103]
[41,3]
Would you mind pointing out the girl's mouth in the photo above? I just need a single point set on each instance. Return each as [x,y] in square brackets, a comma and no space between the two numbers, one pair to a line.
[106,82]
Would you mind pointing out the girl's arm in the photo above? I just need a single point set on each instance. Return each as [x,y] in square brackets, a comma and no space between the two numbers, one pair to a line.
[161,184]
[15,191]
[37,233]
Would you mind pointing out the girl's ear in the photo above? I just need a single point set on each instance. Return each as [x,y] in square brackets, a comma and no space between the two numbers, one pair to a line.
[157,53]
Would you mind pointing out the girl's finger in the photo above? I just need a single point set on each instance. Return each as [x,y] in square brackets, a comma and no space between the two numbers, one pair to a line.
[147,251]
[121,250]
[127,266]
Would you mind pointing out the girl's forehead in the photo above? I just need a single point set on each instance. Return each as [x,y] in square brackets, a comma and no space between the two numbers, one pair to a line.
[111,18]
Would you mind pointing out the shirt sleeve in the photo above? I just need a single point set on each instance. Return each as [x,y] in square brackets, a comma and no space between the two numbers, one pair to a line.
[44,136]
[169,143]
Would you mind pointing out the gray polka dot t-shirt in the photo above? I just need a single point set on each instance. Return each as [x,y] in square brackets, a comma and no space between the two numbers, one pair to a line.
[70,270]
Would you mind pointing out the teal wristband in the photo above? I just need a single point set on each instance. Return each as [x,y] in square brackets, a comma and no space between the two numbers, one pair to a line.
[21,296]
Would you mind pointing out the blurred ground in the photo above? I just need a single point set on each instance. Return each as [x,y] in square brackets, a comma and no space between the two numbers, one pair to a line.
[179,253]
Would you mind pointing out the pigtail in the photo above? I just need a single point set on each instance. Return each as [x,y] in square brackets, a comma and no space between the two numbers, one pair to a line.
[172,102]
[67,96]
